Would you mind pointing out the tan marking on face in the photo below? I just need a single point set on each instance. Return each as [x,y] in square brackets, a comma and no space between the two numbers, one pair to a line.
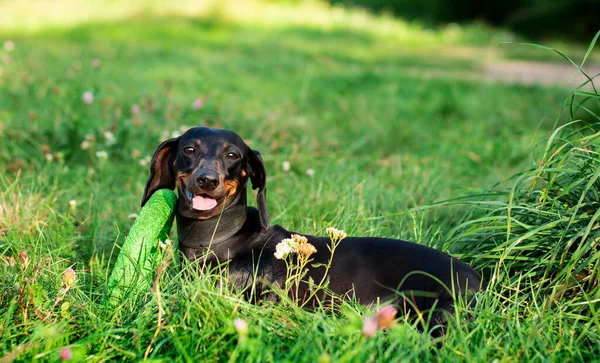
[243,173]
[197,142]
[230,187]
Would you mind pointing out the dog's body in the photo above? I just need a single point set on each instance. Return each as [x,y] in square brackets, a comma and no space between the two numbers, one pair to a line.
[210,169]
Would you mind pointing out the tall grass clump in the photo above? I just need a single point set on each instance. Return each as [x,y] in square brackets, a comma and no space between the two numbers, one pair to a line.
[541,245]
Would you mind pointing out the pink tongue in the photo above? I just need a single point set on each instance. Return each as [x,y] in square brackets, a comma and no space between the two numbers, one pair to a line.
[203,203]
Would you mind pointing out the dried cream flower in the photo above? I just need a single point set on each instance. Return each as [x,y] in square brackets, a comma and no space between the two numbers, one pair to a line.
[299,239]
[68,277]
[306,249]
[336,234]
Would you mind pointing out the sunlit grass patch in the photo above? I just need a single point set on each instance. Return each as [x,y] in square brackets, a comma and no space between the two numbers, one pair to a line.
[352,136]
[539,246]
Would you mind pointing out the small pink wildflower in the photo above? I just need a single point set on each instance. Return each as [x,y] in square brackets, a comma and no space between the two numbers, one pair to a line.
[66,354]
[96,63]
[383,319]
[135,109]
[386,317]
[241,326]
[369,326]
[198,103]
[87,97]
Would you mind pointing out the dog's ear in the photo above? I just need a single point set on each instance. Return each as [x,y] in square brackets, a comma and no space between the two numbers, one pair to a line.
[258,177]
[162,174]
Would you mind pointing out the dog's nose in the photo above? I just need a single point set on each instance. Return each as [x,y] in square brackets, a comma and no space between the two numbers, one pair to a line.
[208,179]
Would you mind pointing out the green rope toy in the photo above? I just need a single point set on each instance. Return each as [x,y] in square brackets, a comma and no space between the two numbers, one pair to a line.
[140,253]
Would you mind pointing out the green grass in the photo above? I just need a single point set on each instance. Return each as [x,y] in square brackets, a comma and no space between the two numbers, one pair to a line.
[339,92]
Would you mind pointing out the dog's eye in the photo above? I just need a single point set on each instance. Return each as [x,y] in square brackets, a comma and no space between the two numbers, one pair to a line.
[233,156]
[189,150]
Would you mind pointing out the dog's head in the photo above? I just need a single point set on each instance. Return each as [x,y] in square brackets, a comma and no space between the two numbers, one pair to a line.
[210,168]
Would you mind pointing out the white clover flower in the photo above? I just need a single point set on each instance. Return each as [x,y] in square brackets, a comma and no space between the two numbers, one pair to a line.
[165,245]
[132,216]
[87,97]
[164,135]
[286,166]
[284,248]
[9,46]
[336,234]
[85,144]
[49,157]
[101,154]
[175,133]
[295,244]
[73,203]
[241,326]
[310,172]
[110,138]
[145,161]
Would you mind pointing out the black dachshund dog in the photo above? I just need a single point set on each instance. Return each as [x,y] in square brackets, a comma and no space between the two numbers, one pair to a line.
[210,169]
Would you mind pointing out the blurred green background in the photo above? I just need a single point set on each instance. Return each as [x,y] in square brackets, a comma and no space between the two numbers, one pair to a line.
[541,19]
[382,118]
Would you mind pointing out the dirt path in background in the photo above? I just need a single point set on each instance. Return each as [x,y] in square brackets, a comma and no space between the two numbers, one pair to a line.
[519,72]
[527,72]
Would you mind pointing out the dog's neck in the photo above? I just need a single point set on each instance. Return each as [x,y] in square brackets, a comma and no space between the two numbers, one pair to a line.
[209,233]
